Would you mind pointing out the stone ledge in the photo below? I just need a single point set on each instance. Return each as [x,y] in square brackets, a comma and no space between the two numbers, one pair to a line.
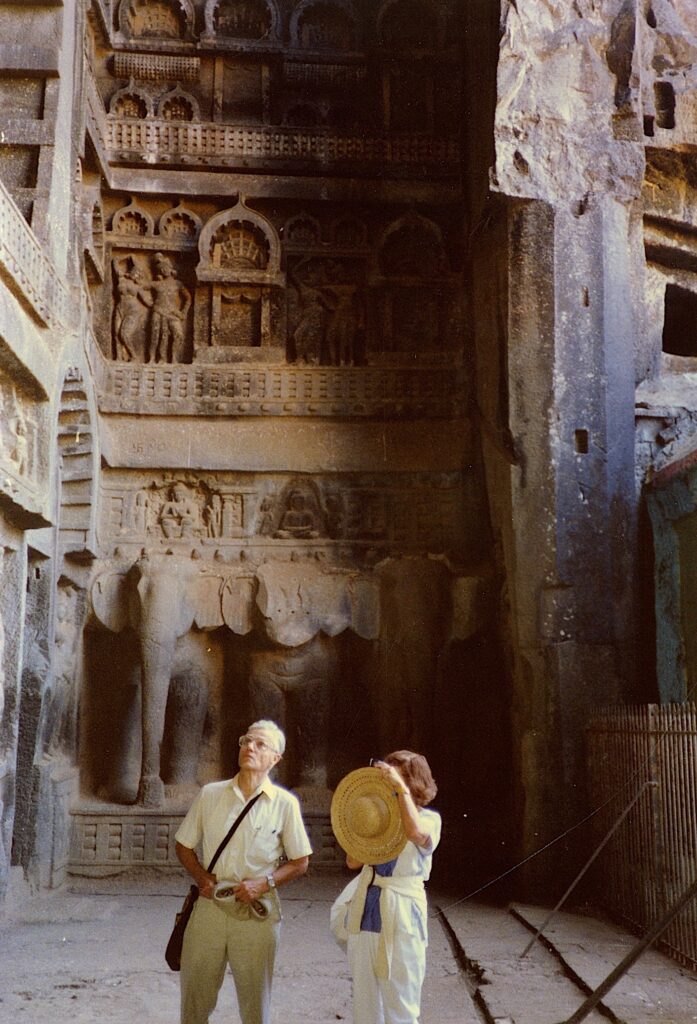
[110,839]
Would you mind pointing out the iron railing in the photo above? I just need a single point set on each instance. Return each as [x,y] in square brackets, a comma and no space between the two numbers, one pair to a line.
[652,858]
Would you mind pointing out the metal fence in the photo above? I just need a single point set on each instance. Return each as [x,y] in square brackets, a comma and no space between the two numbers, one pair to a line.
[652,858]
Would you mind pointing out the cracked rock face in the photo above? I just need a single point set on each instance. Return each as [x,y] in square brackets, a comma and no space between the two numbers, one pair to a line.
[568,101]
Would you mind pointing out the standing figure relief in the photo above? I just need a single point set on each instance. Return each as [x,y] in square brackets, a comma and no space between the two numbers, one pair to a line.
[150,311]
[170,308]
[329,316]
[16,431]
[130,311]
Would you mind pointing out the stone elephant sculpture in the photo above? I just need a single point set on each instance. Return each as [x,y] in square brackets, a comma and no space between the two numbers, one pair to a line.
[161,596]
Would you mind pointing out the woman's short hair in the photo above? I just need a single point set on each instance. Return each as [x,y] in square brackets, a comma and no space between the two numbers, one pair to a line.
[279,739]
[415,771]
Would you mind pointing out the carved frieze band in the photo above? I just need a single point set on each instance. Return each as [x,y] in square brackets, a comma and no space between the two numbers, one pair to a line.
[282,390]
[337,76]
[406,512]
[165,142]
[29,273]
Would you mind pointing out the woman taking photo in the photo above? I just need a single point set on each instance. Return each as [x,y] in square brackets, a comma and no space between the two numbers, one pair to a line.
[385,919]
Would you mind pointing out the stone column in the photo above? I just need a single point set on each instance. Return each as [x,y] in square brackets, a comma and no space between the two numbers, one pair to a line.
[555,378]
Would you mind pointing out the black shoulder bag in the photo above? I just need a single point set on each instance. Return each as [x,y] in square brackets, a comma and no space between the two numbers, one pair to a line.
[173,953]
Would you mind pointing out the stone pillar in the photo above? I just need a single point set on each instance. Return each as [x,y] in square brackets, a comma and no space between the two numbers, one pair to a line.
[562,487]
[560,275]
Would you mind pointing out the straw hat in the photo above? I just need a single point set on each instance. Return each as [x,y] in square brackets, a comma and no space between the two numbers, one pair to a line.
[365,817]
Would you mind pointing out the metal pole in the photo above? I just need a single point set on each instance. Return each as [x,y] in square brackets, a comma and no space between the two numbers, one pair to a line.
[633,955]
[585,867]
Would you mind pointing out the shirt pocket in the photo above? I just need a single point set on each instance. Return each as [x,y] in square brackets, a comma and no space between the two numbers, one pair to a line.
[266,843]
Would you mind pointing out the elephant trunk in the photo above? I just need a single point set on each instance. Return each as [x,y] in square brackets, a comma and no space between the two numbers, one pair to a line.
[156,662]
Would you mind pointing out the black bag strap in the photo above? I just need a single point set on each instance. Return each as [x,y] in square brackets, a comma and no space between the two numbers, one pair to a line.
[233,828]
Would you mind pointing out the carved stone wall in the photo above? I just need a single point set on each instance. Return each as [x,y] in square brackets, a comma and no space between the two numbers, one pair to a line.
[322,329]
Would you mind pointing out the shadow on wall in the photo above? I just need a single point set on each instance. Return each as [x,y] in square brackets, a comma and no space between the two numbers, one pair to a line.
[471,757]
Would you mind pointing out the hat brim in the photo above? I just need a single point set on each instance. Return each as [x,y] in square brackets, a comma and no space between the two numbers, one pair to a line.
[390,841]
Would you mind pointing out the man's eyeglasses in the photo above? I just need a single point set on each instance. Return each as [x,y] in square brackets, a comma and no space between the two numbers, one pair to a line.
[252,741]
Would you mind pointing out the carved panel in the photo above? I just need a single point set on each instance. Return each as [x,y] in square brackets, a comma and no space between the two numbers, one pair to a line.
[387,392]
[409,512]
[150,321]
[178,510]
[123,839]
[326,304]
[18,434]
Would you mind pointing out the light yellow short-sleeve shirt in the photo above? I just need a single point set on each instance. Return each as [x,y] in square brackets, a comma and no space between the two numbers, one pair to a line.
[273,828]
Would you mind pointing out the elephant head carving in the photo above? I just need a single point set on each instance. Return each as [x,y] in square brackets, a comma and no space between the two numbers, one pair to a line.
[160,597]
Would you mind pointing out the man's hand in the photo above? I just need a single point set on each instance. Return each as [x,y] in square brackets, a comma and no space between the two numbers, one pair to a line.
[206,884]
[250,889]
[204,880]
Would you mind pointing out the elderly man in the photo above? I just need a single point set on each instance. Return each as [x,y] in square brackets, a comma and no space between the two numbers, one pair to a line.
[269,848]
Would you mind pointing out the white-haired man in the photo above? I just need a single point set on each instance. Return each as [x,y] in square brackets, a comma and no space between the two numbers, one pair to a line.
[269,848]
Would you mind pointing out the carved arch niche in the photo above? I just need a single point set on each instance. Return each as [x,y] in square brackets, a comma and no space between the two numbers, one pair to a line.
[248,20]
[414,291]
[156,19]
[420,72]
[131,102]
[239,274]
[408,25]
[324,25]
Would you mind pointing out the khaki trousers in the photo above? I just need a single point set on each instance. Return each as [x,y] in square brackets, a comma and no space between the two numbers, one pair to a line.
[214,939]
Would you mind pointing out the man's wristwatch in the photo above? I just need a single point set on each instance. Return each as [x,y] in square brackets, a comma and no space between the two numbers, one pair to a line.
[271,881]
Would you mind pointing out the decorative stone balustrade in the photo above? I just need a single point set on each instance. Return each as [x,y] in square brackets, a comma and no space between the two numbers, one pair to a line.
[433,392]
[28,272]
[156,141]
[95,116]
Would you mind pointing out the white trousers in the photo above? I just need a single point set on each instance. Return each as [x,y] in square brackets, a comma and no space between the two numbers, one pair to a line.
[212,940]
[397,1000]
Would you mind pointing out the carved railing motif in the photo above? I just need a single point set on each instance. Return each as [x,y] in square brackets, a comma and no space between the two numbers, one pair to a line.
[148,67]
[434,392]
[29,273]
[95,116]
[163,141]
